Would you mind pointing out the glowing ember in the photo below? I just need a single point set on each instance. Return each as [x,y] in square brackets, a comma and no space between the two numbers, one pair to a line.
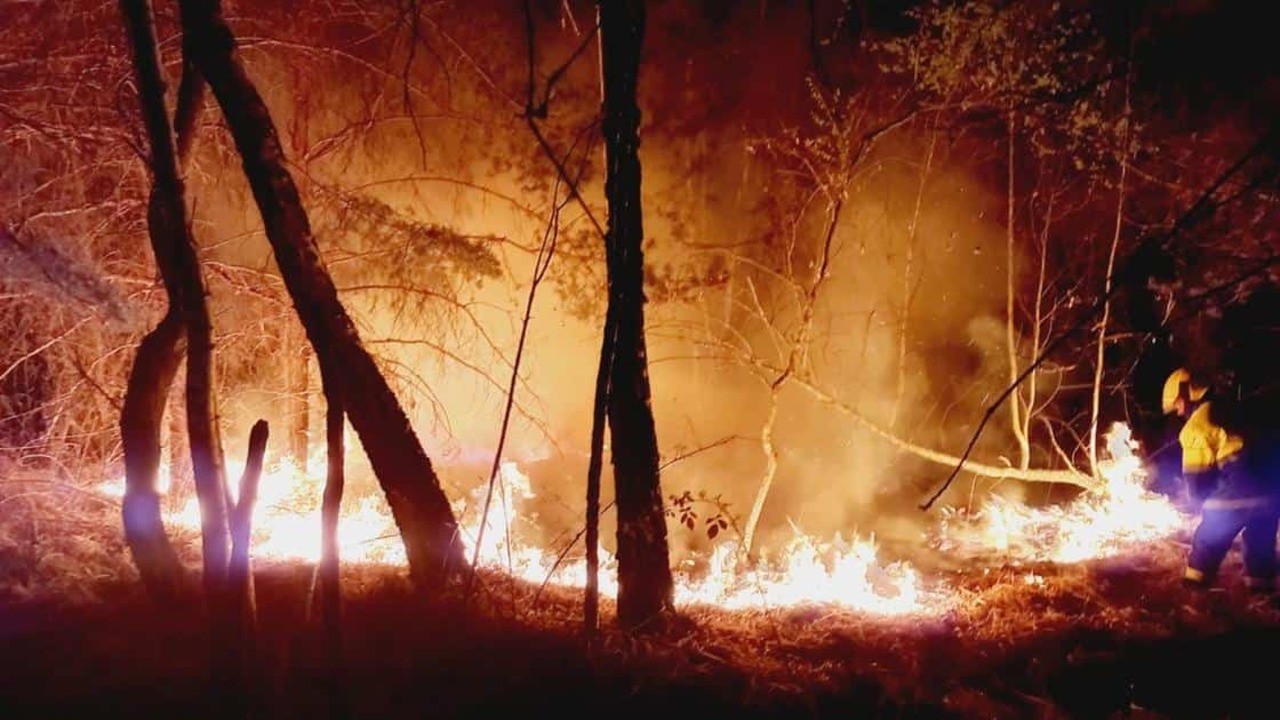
[844,573]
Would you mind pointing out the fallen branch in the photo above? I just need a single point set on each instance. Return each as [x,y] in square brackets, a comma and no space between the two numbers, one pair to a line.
[1069,476]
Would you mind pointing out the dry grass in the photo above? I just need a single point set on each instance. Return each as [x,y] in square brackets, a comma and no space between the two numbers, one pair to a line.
[1109,638]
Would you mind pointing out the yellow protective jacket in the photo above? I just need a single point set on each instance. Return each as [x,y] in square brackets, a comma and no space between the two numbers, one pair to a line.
[1213,464]
[1206,446]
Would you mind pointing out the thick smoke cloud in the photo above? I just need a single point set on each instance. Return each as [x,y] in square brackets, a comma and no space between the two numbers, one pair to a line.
[710,191]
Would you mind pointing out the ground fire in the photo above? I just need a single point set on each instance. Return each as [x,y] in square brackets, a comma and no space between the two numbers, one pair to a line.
[373,358]
[847,573]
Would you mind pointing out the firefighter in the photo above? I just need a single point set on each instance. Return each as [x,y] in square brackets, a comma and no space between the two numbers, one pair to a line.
[1232,499]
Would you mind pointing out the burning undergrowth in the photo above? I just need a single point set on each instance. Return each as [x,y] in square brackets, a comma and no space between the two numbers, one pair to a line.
[1120,633]
[850,572]
[1007,634]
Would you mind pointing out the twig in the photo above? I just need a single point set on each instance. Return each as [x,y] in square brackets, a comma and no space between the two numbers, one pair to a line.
[541,264]
[710,446]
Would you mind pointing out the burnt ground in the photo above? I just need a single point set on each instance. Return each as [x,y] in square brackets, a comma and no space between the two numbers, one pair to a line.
[1115,638]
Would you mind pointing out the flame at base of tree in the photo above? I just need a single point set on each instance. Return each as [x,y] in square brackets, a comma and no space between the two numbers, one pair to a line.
[842,573]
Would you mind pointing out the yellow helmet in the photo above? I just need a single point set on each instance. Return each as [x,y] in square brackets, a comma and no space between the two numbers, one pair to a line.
[1173,387]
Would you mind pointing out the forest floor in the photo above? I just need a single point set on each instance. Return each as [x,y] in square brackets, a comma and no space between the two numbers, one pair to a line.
[1114,638]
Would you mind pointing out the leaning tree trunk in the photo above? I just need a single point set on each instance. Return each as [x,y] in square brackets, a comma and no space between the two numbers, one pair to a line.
[419,505]
[168,215]
[160,351]
[645,589]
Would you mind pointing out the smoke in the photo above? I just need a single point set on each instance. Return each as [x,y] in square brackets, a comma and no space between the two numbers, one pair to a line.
[916,250]
[833,474]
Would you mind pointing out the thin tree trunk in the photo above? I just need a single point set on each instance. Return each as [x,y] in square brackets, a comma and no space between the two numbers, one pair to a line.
[330,561]
[770,470]
[1099,361]
[330,511]
[240,569]
[204,436]
[1016,406]
[412,488]
[591,598]
[240,588]
[797,363]
[1068,476]
[168,215]
[1037,321]
[160,351]
[645,586]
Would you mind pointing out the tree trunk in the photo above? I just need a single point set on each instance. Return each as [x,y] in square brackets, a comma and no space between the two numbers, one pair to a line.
[168,221]
[770,470]
[1099,366]
[1019,416]
[329,569]
[240,570]
[420,508]
[204,436]
[160,351]
[599,414]
[330,511]
[298,370]
[243,611]
[152,374]
[645,588]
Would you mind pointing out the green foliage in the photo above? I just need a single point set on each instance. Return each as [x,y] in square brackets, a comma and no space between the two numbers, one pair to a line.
[683,507]
[397,247]
[1037,64]
[579,272]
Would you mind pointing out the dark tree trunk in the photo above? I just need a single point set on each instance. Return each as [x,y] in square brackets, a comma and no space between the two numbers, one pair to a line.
[152,375]
[240,570]
[205,439]
[169,225]
[243,611]
[330,511]
[160,352]
[330,562]
[600,408]
[645,587]
[420,508]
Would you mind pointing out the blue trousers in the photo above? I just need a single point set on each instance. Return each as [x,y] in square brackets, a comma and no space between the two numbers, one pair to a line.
[1220,523]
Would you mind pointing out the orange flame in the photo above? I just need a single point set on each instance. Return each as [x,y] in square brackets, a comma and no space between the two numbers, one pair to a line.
[844,573]
[1102,523]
